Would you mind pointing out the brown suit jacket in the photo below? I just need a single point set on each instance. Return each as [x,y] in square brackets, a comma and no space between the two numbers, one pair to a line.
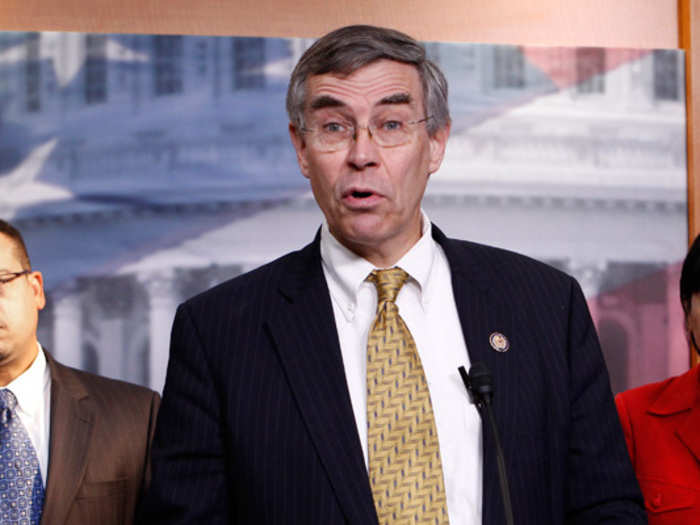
[99,448]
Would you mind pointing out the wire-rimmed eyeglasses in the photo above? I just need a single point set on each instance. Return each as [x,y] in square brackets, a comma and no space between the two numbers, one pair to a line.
[8,277]
[338,135]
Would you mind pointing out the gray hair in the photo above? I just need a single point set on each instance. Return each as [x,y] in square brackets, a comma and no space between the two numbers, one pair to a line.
[349,48]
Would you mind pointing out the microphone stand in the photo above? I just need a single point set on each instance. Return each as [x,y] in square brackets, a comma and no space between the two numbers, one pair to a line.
[479,384]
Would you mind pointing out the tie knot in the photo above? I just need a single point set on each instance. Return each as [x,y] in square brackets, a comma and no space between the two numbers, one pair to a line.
[7,399]
[388,283]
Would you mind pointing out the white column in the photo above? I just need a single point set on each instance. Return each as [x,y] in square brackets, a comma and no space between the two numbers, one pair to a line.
[111,350]
[113,299]
[68,325]
[162,299]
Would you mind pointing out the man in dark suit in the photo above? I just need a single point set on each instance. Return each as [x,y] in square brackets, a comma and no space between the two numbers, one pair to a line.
[287,400]
[85,439]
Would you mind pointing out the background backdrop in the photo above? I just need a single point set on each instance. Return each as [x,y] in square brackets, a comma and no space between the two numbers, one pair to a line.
[143,169]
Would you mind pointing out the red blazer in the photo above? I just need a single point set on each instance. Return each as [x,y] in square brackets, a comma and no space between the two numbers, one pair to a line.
[662,428]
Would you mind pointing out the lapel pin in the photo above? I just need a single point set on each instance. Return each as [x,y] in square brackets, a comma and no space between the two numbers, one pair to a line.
[499,342]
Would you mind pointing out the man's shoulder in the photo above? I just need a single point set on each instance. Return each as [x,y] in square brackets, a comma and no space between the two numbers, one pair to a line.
[500,264]
[104,388]
[493,253]
[256,284]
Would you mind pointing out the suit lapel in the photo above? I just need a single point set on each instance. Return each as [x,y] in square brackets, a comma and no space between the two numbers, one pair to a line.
[71,426]
[306,338]
[482,312]
[304,331]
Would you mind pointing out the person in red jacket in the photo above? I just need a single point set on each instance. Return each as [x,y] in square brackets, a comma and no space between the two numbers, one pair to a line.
[661,422]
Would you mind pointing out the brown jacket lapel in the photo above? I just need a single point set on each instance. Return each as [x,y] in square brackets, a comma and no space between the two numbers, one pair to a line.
[71,427]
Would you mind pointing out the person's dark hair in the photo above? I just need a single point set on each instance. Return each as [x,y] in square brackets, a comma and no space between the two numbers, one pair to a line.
[690,275]
[349,48]
[13,233]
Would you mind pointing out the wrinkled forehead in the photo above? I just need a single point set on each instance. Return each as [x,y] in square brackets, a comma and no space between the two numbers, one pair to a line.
[379,84]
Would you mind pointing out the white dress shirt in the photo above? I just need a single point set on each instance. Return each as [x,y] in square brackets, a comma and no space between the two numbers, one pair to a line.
[32,388]
[426,304]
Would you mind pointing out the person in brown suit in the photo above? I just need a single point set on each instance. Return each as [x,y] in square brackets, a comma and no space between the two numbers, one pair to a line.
[85,440]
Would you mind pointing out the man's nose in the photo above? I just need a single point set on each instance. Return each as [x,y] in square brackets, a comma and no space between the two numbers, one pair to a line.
[363,151]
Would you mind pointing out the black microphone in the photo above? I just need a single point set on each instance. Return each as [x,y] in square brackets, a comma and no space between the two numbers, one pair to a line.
[479,384]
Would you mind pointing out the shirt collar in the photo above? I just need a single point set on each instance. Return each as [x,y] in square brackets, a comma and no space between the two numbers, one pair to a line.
[346,270]
[349,271]
[418,261]
[29,386]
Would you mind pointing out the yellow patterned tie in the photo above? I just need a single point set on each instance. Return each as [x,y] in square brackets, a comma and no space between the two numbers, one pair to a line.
[405,470]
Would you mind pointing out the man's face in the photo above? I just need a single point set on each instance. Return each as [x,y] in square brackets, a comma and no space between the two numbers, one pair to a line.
[20,302]
[370,195]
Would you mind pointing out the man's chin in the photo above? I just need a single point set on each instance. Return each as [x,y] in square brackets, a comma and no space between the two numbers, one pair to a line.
[364,237]
[365,228]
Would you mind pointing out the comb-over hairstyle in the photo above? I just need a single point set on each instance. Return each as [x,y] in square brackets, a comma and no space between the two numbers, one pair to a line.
[349,48]
[21,249]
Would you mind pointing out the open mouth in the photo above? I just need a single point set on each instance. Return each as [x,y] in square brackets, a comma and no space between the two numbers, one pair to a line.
[361,198]
[361,194]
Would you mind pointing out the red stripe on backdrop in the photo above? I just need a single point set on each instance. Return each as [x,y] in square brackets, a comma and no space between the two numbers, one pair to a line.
[640,325]
[562,66]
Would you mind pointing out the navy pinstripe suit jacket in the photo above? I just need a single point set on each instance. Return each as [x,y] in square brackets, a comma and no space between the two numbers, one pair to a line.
[256,424]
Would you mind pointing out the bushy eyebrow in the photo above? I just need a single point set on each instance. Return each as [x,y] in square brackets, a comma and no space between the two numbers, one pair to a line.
[326,101]
[396,98]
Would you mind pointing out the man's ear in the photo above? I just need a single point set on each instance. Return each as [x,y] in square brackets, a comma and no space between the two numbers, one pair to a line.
[36,283]
[438,143]
[300,147]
